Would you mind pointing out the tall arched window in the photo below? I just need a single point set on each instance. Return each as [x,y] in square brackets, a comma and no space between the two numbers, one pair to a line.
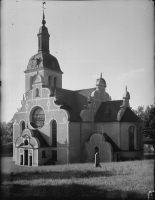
[131,137]
[55,81]
[54,133]
[23,126]
[50,80]
[31,81]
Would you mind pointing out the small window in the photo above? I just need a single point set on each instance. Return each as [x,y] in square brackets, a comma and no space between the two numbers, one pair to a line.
[50,81]
[43,154]
[37,92]
[23,125]
[25,142]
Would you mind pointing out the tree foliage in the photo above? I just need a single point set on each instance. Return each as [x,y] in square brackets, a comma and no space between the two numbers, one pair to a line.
[148,116]
[149,124]
[6,137]
[142,112]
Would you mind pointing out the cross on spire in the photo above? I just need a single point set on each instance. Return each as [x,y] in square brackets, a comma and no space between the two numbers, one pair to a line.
[43,21]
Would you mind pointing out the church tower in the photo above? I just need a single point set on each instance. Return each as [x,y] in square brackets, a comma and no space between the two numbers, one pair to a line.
[43,63]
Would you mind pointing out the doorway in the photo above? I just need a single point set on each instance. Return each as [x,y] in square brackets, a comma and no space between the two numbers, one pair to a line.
[25,157]
[30,160]
[96,150]
[21,159]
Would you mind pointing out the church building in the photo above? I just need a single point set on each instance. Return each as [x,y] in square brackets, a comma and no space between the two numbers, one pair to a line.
[60,126]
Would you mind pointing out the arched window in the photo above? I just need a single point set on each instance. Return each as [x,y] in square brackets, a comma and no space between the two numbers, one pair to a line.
[25,142]
[55,81]
[23,125]
[37,92]
[50,80]
[31,81]
[38,118]
[131,137]
[54,133]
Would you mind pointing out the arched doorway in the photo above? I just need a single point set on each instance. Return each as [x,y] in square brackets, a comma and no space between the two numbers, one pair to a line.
[96,150]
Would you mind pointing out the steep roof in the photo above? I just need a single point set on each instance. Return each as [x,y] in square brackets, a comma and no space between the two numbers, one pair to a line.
[81,97]
[130,116]
[108,111]
[67,100]
[72,101]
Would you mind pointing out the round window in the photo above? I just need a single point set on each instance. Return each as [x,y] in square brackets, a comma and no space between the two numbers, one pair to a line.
[38,118]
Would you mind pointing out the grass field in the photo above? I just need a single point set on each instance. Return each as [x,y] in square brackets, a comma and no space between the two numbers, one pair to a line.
[131,179]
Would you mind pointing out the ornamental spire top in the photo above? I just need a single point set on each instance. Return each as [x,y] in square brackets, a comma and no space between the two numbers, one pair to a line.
[101,75]
[43,21]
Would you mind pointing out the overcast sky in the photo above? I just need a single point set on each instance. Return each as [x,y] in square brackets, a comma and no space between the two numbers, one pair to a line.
[87,38]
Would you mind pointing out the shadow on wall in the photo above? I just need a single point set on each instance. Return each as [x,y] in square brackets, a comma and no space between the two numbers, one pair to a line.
[65,190]
[60,145]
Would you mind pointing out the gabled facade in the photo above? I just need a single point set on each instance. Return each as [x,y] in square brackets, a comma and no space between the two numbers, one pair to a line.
[56,125]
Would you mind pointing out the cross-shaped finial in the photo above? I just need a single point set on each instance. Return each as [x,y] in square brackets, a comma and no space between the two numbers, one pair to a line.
[43,5]
[43,21]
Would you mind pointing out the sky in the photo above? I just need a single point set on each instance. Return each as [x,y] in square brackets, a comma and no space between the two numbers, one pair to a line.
[87,37]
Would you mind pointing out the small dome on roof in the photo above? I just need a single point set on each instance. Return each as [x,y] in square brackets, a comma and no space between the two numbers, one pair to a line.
[126,94]
[101,82]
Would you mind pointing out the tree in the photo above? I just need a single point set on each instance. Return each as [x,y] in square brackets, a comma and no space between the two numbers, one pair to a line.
[6,137]
[148,117]
[149,125]
[142,112]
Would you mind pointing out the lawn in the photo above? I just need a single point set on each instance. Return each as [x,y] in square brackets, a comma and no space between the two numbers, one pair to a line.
[130,179]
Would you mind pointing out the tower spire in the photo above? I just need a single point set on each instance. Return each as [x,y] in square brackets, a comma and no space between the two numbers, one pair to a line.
[43,21]
[43,36]
[101,75]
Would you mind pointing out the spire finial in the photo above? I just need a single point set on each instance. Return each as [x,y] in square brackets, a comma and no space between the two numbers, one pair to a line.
[126,88]
[43,21]
[101,75]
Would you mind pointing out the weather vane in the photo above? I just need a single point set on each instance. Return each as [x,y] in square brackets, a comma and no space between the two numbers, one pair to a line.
[43,5]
